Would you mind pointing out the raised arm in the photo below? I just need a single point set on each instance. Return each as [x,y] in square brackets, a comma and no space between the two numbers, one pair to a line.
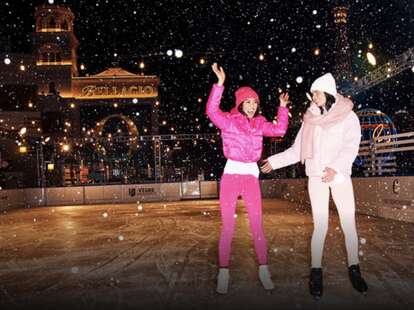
[217,116]
[279,129]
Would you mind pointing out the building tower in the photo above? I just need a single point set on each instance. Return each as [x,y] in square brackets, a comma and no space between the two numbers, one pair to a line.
[342,53]
[55,48]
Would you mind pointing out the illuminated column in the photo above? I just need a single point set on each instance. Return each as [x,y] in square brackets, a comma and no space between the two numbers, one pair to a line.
[55,48]
[342,54]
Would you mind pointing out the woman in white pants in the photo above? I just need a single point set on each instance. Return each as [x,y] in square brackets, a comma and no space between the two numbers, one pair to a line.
[328,144]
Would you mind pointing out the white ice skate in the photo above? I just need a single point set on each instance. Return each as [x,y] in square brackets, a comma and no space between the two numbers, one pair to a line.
[223,281]
[265,277]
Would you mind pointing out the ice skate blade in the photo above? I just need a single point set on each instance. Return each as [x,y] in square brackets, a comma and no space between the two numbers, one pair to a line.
[316,297]
[269,288]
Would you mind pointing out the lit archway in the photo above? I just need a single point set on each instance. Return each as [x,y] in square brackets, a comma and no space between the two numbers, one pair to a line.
[132,130]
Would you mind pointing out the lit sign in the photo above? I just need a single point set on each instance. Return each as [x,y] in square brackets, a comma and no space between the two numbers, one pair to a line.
[94,91]
[115,83]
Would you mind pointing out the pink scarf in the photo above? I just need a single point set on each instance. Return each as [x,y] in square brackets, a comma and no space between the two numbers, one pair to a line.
[335,115]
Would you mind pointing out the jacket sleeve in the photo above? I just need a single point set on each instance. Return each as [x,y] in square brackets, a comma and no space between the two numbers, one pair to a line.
[217,116]
[350,147]
[279,129]
[290,156]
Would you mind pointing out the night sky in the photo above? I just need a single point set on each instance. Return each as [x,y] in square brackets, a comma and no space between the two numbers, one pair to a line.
[233,33]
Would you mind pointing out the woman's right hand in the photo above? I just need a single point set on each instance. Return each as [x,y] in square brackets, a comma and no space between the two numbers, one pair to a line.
[219,73]
[267,167]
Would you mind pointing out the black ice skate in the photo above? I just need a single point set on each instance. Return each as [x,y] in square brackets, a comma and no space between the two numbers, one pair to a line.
[315,282]
[356,279]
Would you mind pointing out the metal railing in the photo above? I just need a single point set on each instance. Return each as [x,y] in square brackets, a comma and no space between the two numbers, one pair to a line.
[379,154]
[392,68]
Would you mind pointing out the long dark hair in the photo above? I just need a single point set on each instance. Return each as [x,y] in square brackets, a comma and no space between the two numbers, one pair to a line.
[330,100]
[240,108]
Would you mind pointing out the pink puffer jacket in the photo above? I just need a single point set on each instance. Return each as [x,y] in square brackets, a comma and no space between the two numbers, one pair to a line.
[243,139]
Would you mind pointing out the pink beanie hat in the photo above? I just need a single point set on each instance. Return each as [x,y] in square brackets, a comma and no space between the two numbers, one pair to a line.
[244,93]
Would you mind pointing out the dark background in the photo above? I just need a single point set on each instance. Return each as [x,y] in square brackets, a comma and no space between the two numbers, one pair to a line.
[232,33]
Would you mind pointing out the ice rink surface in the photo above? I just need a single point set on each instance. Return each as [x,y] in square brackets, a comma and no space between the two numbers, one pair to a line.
[164,256]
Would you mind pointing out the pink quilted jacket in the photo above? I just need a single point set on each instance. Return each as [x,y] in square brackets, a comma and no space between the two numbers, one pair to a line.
[243,138]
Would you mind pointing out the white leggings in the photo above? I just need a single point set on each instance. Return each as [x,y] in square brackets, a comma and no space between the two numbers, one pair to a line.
[343,196]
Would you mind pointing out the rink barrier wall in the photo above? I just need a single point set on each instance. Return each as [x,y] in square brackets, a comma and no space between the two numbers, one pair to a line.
[387,197]
[12,198]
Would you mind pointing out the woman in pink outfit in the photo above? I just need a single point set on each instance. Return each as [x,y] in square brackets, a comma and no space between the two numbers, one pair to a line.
[242,132]
[328,143]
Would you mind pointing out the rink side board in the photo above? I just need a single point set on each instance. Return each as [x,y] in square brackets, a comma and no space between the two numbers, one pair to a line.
[386,197]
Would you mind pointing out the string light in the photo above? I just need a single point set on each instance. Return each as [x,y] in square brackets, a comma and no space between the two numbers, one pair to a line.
[65,147]
[22,131]
[178,53]
[371,59]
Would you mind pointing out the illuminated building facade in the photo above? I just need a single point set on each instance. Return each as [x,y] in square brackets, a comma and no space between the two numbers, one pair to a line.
[43,92]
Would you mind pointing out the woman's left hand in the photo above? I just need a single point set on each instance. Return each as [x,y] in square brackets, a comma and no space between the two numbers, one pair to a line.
[284,99]
[329,175]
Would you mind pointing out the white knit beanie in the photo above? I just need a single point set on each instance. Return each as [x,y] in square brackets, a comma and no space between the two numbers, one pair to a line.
[325,83]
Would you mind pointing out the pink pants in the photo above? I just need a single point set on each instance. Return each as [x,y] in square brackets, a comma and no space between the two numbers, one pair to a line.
[231,186]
